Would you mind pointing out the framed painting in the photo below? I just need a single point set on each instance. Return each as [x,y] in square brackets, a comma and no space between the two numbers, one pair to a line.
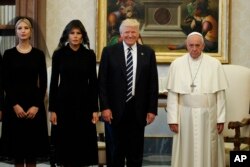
[165,24]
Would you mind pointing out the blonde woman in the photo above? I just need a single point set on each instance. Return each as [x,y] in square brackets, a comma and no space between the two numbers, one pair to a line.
[24,126]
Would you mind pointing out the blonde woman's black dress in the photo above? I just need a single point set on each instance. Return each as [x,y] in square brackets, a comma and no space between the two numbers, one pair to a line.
[24,83]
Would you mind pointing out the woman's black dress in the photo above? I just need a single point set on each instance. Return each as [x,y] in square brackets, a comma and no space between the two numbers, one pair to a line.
[24,83]
[74,97]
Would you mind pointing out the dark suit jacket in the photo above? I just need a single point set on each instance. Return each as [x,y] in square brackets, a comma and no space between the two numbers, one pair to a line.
[112,82]
[1,85]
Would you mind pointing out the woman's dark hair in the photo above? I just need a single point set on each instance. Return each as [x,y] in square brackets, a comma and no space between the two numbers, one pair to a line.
[74,24]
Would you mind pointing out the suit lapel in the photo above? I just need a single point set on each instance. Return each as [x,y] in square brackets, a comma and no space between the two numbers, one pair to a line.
[140,55]
[122,58]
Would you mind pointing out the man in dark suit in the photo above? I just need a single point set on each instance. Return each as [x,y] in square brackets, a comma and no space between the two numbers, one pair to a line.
[128,103]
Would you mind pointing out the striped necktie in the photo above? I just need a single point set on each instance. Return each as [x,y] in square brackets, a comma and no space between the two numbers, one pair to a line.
[129,72]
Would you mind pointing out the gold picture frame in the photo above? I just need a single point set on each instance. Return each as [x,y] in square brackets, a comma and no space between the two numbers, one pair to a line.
[163,56]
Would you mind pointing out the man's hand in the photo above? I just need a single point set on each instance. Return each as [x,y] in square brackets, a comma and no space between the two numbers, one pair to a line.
[173,128]
[150,118]
[220,127]
[107,115]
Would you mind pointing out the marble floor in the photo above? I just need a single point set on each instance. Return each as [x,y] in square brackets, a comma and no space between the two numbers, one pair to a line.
[148,161]
[11,165]
[47,165]
[157,153]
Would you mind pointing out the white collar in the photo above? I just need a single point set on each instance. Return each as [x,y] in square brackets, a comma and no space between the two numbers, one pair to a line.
[126,46]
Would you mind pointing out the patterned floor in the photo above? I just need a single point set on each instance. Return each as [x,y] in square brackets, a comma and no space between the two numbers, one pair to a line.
[148,161]
[46,165]
[157,153]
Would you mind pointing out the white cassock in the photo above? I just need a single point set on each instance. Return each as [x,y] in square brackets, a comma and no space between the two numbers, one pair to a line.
[197,110]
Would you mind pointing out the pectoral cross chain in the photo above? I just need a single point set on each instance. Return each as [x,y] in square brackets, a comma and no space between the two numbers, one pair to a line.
[192,86]
[193,78]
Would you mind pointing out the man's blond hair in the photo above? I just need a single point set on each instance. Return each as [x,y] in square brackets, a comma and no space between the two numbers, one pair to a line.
[129,23]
